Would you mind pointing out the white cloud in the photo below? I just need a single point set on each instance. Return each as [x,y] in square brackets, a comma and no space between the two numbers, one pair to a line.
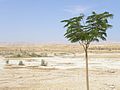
[76,9]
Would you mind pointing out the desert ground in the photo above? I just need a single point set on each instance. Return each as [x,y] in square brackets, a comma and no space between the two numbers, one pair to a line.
[65,69]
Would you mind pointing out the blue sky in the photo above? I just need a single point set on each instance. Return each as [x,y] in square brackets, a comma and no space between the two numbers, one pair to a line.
[39,20]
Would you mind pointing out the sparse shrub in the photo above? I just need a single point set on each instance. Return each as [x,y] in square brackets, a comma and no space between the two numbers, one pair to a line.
[7,61]
[34,55]
[44,54]
[43,63]
[21,63]
[18,55]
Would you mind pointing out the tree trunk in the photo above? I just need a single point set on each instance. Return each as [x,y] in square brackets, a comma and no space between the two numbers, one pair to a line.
[87,75]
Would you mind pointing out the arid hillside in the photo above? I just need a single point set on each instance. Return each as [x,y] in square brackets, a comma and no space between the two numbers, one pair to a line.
[39,50]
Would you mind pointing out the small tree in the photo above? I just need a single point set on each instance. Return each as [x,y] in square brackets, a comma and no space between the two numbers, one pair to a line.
[85,31]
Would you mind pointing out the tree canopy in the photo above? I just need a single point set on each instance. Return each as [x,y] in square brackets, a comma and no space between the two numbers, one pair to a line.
[86,30]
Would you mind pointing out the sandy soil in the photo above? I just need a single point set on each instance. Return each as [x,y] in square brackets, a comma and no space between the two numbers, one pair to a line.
[42,78]
[72,79]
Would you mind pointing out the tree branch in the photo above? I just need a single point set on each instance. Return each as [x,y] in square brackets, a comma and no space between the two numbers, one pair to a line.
[82,45]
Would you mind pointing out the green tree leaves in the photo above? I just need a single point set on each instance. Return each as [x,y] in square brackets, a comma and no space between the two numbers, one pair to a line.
[93,28]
